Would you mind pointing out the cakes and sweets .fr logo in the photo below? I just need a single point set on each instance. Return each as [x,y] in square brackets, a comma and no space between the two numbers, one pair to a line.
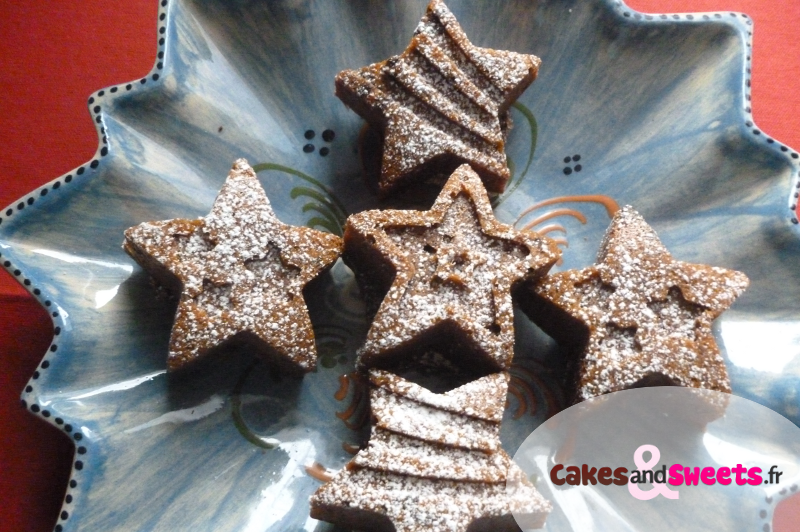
[662,478]
[663,458]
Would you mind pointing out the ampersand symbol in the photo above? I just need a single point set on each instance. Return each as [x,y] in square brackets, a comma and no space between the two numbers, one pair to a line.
[657,489]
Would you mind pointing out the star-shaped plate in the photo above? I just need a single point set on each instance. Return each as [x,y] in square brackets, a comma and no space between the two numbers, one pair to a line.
[657,109]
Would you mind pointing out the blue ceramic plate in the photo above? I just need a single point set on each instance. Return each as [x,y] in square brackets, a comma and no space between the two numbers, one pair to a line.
[651,111]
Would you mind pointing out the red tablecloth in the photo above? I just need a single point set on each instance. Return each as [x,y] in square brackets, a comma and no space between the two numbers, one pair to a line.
[54,54]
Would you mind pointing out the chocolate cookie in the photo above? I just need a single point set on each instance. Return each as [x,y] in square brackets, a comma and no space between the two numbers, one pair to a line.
[637,317]
[433,463]
[440,103]
[240,273]
[443,277]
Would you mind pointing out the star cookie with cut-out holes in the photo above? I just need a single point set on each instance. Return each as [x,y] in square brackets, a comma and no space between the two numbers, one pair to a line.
[637,317]
[240,273]
[447,276]
[440,103]
[433,463]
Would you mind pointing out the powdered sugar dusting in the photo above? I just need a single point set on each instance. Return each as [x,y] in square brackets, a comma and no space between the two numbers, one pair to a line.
[388,451]
[240,271]
[647,314]
[483,398]
[400,415]
[442,98]
[421,484]
[455,264]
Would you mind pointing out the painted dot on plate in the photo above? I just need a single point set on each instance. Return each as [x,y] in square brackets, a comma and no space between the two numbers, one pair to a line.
[309,134]
[308,148]
[567,170]
[324,151]
[328,135]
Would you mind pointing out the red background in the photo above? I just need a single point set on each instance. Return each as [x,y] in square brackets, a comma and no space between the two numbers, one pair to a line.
[54,53]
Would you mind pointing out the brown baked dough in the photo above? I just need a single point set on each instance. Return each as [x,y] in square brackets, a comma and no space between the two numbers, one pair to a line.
[440,103]
[433,464]
[443,277]
[240,273]
[637,317]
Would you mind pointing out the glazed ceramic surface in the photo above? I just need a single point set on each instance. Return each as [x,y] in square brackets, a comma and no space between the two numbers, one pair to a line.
[648,111]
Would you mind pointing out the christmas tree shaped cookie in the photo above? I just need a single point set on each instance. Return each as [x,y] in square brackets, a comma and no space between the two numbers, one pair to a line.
[433,463]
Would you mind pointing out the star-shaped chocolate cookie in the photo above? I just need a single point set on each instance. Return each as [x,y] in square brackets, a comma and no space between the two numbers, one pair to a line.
[447,276]
[433,463]
[240,273]
[637,317]
[440,103]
